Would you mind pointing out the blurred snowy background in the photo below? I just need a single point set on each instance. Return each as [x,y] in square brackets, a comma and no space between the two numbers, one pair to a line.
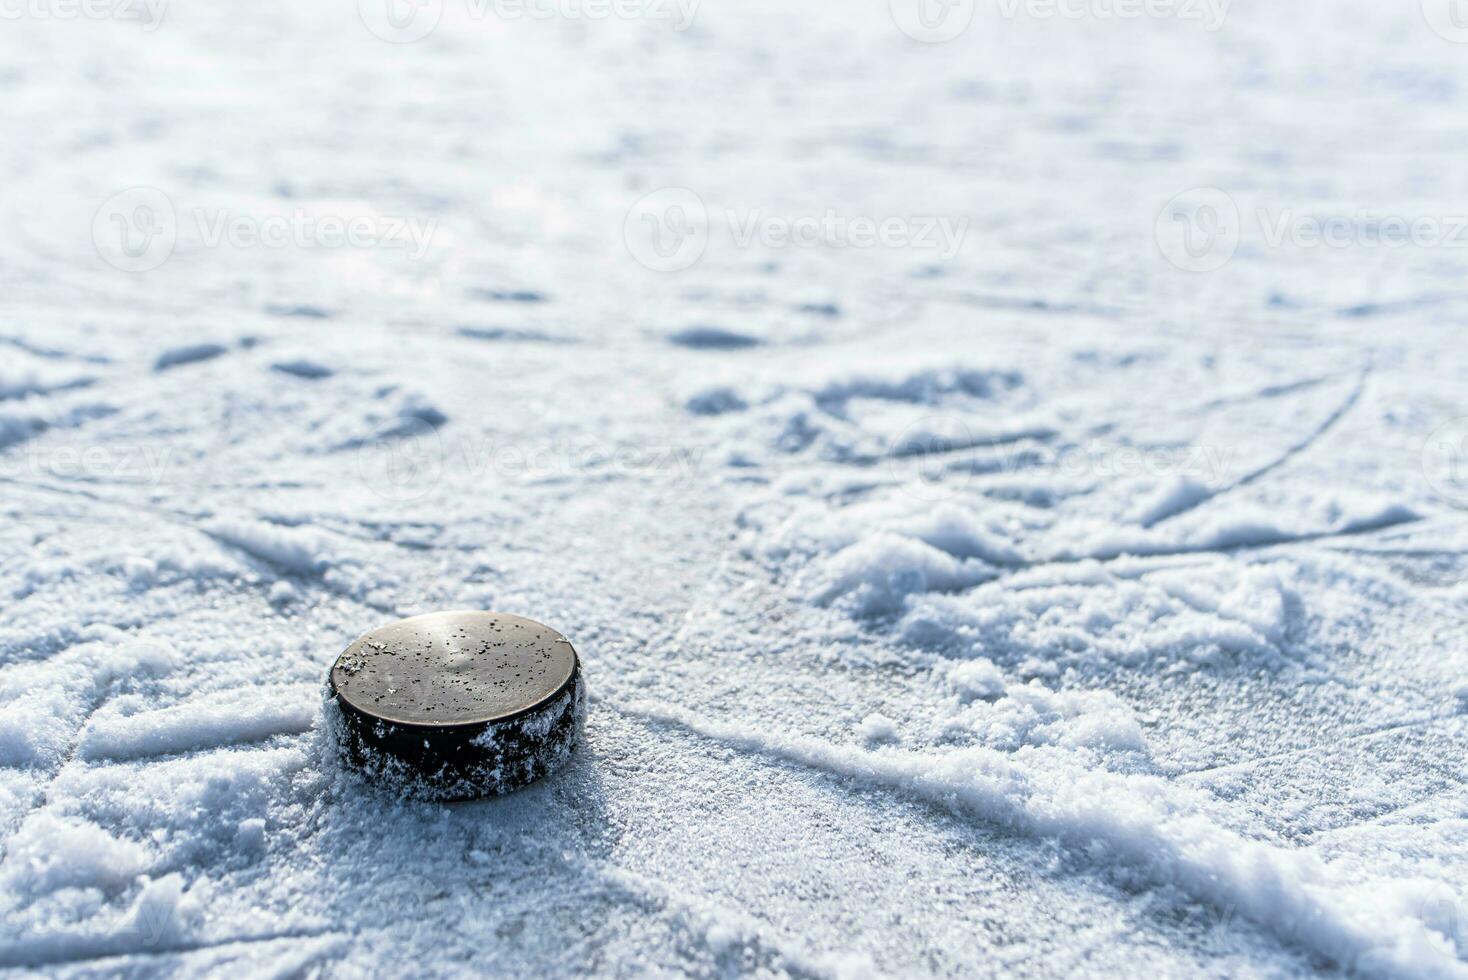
[1002,463]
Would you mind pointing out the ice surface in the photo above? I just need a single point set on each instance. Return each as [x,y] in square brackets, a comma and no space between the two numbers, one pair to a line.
[1036,608]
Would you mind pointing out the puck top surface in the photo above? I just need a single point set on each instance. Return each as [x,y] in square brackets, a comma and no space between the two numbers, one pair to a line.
[453,668]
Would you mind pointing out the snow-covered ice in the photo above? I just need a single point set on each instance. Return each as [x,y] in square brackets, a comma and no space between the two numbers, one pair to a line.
[1066,578]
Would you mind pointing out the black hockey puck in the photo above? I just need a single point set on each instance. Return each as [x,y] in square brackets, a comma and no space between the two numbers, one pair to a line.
[457,705]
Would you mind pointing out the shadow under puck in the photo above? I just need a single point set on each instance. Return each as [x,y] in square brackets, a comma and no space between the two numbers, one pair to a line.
[457,705]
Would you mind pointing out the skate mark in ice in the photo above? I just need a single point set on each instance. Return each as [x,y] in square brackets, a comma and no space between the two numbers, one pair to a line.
[1363,734]
[27,385]
[1267,392]
[1390,773]
[176,357]
[304,369]
[1230,539]
[1032,304]
[303,312]
[1295,449]
[338,524]
[1425,813]
[289,954]
[712,338]
[512,335]
[876,556]
[187,520]
[828,310]
[1161,833]
[508,295]
[53,353]
[1391,307]
[722,928]
[73,949]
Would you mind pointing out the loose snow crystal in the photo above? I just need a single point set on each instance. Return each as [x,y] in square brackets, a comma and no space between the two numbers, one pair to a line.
[878,728]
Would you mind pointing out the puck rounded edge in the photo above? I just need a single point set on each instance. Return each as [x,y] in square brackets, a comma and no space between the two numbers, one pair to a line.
[453,760]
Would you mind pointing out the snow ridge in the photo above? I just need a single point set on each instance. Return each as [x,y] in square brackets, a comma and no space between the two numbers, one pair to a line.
[1151,827]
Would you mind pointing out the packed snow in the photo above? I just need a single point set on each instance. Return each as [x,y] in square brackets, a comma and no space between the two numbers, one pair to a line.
[1004,476]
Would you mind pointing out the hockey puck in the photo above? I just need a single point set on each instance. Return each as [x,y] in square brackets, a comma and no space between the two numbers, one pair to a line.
[457,705]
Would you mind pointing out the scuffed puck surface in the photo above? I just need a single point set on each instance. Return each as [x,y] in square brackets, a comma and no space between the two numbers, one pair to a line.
[456,705]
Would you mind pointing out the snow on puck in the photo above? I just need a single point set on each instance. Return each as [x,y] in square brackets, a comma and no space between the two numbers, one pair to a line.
[457,705]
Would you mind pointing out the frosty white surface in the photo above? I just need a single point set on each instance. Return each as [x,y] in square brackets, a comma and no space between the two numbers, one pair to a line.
[976,596]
